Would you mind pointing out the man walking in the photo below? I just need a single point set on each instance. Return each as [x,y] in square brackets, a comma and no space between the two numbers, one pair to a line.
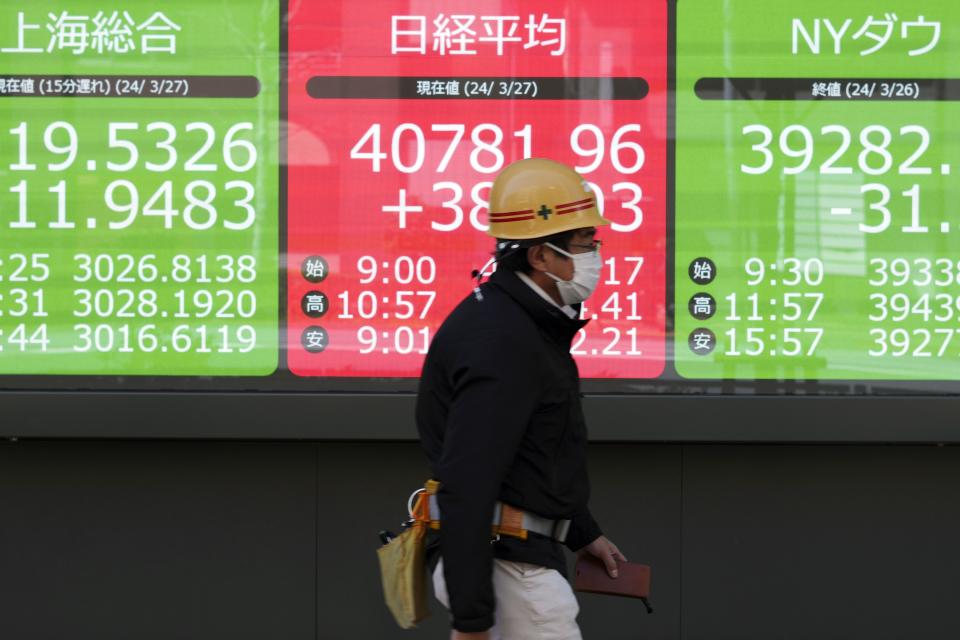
[499,416]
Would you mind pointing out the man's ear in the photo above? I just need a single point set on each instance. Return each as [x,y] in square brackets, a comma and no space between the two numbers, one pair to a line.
[535,257]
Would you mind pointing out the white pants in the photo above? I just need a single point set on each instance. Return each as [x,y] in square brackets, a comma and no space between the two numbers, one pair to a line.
[532,602]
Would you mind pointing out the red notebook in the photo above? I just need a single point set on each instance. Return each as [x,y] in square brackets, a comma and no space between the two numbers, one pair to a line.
[633,580]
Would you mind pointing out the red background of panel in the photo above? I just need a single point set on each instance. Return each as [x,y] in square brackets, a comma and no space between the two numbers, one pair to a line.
[335,202]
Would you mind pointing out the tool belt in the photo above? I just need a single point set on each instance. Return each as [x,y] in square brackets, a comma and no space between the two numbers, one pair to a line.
[507,520]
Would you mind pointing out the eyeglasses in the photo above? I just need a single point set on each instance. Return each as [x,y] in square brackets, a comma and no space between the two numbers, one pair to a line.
[593,246]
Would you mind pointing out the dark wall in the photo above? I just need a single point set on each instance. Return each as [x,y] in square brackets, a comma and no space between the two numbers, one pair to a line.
[216,540]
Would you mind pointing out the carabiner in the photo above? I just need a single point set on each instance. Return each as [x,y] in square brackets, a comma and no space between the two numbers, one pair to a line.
[410,500]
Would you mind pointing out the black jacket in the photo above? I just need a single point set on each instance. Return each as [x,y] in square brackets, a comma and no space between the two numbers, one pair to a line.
[499,417]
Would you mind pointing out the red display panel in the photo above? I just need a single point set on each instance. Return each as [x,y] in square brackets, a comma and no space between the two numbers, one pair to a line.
[400,116]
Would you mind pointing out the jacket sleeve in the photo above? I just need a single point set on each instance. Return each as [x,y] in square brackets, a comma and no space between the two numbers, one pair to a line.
[495,390]
[583,530]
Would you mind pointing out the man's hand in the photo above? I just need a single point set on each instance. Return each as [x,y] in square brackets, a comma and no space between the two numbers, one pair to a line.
[606,551]
[463,635]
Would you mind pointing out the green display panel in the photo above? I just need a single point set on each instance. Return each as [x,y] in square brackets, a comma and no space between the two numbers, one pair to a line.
[817,209]
[139,188]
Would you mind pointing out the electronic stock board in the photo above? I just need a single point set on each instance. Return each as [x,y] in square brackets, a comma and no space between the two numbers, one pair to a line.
[284,199]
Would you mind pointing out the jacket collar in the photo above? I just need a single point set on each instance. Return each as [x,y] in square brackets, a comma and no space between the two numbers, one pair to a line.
[547,316]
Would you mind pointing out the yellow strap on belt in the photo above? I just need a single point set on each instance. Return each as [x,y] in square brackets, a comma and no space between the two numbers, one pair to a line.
[511,523]
[511,518]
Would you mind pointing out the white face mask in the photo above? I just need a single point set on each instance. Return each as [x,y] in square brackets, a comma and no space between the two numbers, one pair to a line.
[586,275]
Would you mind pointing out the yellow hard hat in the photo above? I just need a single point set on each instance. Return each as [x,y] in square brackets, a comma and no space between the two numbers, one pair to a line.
[536,197]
